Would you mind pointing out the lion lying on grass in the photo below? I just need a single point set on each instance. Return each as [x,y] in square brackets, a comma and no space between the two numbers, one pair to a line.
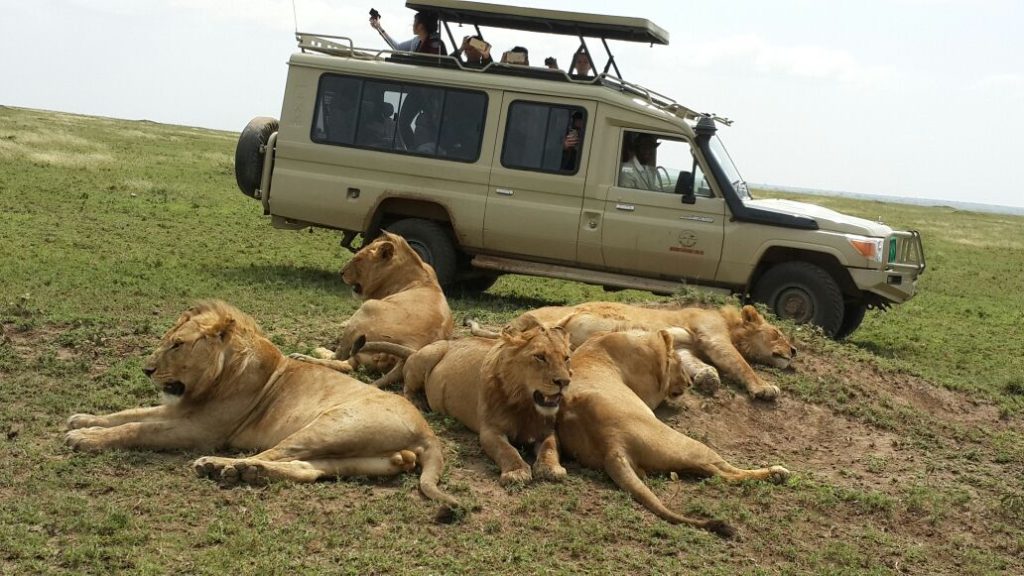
[509,391]
[726,337]
[226,386]
[605,424]
[403,304]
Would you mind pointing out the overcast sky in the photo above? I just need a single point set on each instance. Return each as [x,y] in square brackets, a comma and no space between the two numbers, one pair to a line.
[920,98]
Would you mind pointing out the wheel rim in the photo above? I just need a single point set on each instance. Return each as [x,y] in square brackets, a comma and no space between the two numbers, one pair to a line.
[796,305]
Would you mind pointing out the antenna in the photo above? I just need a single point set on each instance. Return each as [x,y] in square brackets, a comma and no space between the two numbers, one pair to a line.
[295,17]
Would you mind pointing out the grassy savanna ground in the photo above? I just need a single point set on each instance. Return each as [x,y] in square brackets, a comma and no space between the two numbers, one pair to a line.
[906,441]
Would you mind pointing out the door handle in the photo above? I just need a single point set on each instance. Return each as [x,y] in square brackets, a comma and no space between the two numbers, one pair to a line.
[504,191]
[625,207]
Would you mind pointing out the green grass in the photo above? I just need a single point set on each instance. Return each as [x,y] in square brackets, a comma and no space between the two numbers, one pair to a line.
[906,441]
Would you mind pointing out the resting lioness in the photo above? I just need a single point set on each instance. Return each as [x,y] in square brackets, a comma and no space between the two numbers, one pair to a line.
[724,337]
[226,386]
[403,303]
[508,390]
[605,425]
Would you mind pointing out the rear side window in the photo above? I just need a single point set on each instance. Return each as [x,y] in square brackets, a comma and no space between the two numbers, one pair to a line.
[400,118]
[544,137]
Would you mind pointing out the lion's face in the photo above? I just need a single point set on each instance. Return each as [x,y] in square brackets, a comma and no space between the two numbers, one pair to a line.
[190,357]
[759,341]
[540,360]
[381,264]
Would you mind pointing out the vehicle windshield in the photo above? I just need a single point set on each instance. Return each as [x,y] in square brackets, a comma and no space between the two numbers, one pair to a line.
[732,174]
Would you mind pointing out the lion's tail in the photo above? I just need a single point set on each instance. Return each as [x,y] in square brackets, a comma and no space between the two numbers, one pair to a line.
[620,468]
[396,350]
[431,459]
[477,330]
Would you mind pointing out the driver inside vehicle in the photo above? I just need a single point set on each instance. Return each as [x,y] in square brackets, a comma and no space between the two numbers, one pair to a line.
[639,162]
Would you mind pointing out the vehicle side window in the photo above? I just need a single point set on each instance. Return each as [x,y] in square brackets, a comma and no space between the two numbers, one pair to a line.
[543,137]
[654,162]
[399,118]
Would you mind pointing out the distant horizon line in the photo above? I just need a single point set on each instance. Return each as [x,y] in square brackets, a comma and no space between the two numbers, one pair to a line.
[969,206]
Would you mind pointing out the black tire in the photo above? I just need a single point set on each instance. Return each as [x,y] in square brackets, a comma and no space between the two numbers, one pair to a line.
[248,158]
[433,242]
[803,293]
[853,315]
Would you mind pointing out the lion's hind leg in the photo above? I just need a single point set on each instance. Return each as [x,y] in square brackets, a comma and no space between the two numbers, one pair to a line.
[671,451]
[257,471]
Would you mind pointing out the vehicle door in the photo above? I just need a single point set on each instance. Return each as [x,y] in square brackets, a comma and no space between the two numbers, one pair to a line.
[537,180]
[647,228]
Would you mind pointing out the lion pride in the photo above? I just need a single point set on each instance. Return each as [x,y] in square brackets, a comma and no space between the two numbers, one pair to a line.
[724,337]
[507,390]
[605,424]
[224,385]
[402,303]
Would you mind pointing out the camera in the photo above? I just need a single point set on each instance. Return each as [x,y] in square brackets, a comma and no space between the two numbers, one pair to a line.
[374,13]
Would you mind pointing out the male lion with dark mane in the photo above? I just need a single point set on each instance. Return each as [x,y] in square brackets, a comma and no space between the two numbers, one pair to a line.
[402,303]
[225,385]
[607,423]
[508,390]
[726,337]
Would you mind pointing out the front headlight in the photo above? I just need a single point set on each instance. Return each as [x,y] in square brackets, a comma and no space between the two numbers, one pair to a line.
[870,248]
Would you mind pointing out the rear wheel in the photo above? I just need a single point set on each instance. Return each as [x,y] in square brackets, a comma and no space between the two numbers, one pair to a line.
[853,315]
[248,153]
[804,293]
[433,242]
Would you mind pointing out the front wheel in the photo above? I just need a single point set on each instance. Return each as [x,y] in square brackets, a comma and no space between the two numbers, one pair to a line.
[433,243]
[804,293]
[853,315]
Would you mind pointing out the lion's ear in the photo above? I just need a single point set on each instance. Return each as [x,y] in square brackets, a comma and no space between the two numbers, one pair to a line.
[386,250]
[751,315]
[667,339]
[223,328]
[522,324]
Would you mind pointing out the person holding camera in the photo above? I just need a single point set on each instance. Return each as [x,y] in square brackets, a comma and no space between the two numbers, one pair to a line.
[477,52]
[424,26]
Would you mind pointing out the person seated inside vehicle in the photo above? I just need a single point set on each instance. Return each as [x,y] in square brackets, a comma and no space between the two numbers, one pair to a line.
[639,162]
[376,128]
[424,26]
[571,141]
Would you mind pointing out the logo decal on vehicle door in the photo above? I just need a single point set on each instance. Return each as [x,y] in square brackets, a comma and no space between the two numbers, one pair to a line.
[687,239]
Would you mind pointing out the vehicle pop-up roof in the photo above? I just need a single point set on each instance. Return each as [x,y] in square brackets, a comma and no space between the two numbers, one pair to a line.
[579,24]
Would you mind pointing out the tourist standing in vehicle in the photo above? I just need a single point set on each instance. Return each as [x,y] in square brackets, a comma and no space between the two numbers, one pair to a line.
[581,63]
[477,52]
[424,26]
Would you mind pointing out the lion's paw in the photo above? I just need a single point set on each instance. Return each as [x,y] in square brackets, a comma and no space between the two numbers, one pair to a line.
[77,421]
[554,473]
[84,439]
[778,475]
[303,357]
[404,460]
[769,392]
[707,380]
[517,476]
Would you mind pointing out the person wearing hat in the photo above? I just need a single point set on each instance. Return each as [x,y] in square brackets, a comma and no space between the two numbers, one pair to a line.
[640,162]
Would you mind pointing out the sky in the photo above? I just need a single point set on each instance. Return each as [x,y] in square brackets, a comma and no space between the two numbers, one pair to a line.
[913,98]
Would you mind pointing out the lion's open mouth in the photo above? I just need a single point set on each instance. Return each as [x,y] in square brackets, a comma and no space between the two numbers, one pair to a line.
[547,401]
[175,388]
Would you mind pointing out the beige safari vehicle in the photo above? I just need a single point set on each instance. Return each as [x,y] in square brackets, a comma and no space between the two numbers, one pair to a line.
[489,168]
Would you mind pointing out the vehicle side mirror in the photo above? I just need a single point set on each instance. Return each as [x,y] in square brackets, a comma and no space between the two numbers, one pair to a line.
[684,187]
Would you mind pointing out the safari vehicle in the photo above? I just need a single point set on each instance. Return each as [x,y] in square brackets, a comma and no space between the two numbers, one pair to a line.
[475,167]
